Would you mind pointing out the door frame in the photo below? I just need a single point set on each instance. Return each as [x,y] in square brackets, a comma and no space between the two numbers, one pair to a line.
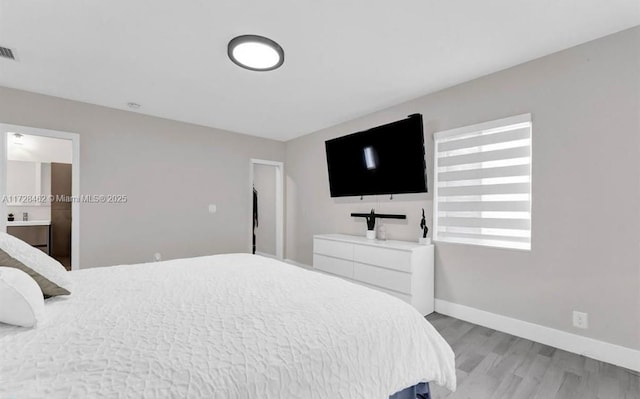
[279,203]
[5,129]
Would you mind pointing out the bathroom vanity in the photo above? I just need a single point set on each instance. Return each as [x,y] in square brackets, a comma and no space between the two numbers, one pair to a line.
[35,232]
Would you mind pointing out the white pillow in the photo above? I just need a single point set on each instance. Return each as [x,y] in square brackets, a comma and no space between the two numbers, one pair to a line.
[37,260]
[21,301]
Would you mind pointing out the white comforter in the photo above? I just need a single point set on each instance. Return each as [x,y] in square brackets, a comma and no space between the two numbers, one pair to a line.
[225,326]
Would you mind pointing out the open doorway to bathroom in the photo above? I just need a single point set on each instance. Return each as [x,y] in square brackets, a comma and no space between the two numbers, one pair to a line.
[267,199]
[40,177]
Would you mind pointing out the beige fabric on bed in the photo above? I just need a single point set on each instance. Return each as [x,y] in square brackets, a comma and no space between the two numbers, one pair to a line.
[47,287]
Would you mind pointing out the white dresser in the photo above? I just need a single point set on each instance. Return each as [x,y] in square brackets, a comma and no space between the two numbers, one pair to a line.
[400,268]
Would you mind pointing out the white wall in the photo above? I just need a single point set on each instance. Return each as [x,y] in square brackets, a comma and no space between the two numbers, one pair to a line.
[28,177]
[32,150]
[170,171]
[586,189]
[22,178]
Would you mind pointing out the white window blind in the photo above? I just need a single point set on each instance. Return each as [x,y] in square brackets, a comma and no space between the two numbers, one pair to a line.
[482,192]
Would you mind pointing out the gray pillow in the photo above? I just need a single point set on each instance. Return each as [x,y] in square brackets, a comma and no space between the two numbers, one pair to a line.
[47,287]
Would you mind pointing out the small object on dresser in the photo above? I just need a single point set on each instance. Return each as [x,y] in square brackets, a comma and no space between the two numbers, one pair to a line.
[11,218]
[371,225]
[382,232]
[424,240]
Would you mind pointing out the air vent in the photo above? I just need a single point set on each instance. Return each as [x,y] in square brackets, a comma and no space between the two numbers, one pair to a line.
[6,53]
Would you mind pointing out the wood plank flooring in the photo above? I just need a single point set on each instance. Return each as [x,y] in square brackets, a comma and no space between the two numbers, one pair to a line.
[495,365]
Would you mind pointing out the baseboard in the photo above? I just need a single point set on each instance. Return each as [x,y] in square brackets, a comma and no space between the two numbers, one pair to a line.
[293,262]
[266,255]
[610,353]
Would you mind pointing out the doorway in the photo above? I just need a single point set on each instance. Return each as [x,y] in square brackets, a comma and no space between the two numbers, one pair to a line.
[267,199]
[39,186]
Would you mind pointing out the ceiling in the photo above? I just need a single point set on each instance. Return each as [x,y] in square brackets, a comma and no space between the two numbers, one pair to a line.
[343,58]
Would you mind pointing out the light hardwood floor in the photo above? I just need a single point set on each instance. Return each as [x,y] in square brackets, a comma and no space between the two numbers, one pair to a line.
[495,365]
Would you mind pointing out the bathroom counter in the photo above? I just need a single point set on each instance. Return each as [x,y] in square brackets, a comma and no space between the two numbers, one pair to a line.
[17,223]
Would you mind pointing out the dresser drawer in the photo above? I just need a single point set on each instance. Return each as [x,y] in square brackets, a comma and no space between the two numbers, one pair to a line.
[335,249]
[335,266]
[384,257]
[406,298]
[385,278]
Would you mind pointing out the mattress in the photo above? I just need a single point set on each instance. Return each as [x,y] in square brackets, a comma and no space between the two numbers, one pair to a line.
[224,326]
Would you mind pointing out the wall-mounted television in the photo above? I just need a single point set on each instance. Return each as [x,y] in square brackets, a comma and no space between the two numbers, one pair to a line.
[388,159]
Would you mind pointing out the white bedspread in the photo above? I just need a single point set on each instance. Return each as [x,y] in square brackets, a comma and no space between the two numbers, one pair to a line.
[225,326]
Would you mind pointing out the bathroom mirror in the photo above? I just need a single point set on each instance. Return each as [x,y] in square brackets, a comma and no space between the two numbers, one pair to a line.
[25,178]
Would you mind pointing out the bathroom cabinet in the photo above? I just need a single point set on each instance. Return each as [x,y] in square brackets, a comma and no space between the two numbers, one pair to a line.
[35,233]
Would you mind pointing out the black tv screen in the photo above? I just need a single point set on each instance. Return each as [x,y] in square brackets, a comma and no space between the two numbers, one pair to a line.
[387,159]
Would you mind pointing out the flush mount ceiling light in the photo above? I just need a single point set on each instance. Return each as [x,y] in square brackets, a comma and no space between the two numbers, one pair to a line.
[256,53]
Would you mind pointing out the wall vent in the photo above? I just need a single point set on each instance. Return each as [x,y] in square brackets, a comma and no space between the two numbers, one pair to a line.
[6,53]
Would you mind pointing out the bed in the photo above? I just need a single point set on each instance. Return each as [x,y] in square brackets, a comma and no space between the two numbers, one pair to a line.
[223,326]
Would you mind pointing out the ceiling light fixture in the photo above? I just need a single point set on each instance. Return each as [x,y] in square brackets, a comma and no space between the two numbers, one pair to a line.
[256,53]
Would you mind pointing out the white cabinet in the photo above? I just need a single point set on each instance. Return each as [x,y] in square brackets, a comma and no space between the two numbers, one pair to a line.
[399,268]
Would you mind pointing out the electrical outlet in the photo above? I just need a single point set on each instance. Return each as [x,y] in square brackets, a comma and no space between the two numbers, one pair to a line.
[213,208]
[580,319]
[157,256]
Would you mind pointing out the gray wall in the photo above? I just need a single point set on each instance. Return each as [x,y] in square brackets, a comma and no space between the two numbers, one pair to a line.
[264,180]
[169,170]
[586,190]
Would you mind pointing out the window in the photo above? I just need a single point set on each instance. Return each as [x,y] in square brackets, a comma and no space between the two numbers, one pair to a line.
[482,192]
